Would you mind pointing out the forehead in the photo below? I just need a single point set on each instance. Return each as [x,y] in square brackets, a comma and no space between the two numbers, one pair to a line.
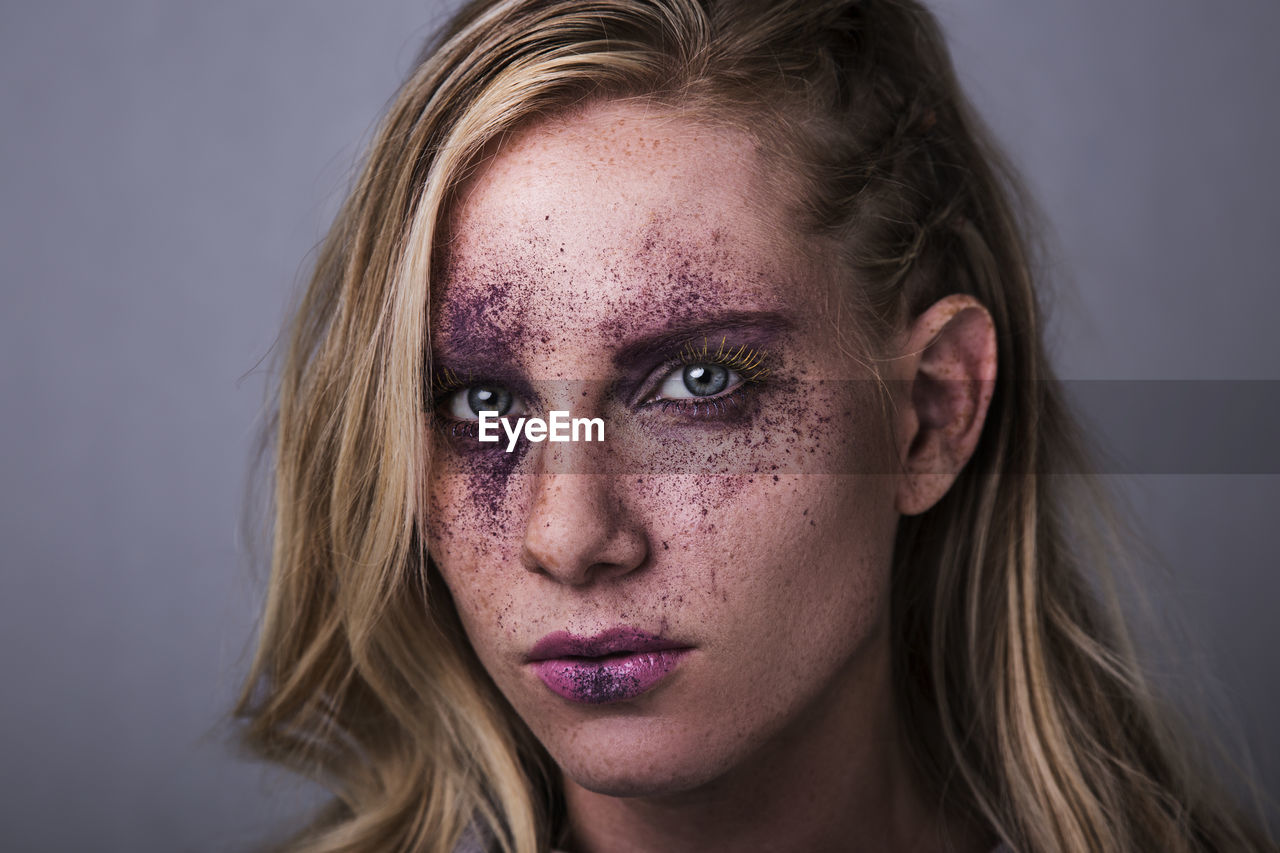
[616,214]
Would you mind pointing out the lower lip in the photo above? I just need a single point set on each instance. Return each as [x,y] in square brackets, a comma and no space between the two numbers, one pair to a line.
[601,681]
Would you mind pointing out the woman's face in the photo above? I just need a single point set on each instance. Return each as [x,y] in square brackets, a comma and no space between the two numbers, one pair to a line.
[668,605]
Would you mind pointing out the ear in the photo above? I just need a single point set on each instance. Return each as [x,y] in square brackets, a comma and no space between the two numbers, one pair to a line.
[946,367]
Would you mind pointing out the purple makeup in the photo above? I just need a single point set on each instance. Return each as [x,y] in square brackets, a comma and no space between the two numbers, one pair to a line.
[613,666]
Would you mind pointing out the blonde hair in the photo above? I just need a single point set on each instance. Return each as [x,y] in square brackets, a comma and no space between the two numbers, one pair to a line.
[1017,685]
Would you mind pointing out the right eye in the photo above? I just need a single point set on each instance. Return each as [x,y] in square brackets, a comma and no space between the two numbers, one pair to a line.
[466,404]
[699,381]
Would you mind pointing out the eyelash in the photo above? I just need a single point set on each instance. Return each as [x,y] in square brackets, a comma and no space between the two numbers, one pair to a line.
[748,363]
[443,383]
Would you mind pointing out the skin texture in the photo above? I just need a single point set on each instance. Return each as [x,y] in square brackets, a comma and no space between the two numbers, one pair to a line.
[581,259]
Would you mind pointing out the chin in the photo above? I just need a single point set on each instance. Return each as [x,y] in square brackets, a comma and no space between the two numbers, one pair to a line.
[646,760]
[624,779]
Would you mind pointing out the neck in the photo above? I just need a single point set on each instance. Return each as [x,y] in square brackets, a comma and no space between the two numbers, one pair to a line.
[837,779]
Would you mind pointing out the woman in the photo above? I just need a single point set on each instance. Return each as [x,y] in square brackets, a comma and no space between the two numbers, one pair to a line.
[812,588]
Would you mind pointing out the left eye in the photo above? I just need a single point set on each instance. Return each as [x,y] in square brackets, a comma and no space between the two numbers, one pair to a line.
[701,379]
[466,404]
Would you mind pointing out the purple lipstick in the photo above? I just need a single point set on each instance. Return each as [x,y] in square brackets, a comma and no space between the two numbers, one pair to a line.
[613,666]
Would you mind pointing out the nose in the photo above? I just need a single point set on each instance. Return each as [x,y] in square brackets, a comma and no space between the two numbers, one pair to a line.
[579,529]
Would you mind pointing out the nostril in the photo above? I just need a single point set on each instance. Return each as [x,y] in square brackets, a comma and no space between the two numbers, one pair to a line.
[579,530]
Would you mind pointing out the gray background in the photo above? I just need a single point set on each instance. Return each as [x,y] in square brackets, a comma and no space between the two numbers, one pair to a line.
[167,167]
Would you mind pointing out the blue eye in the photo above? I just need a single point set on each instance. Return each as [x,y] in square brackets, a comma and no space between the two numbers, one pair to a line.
[466,404]
[698,380]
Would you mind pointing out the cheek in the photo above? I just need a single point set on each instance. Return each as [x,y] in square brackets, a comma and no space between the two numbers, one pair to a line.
[809,599]
[789,564]
[787,427]
[470,493]
[800,559]
[474,533]
[806,544]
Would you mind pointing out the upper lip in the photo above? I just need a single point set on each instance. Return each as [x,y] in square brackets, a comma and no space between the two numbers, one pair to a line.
[562,644]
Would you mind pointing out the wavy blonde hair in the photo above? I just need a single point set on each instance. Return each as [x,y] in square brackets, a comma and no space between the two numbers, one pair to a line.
[1017,685]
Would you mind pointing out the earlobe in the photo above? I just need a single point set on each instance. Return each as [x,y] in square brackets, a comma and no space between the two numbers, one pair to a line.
[948,368]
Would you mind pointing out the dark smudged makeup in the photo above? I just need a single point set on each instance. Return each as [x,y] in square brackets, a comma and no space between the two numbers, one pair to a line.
[705,372]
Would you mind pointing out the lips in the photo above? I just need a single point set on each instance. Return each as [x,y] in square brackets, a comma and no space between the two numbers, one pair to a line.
[613,666]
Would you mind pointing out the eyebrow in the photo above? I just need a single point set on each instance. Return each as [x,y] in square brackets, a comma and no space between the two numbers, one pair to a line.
[481,354]
[757,326]
[471,353]
[473,356]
